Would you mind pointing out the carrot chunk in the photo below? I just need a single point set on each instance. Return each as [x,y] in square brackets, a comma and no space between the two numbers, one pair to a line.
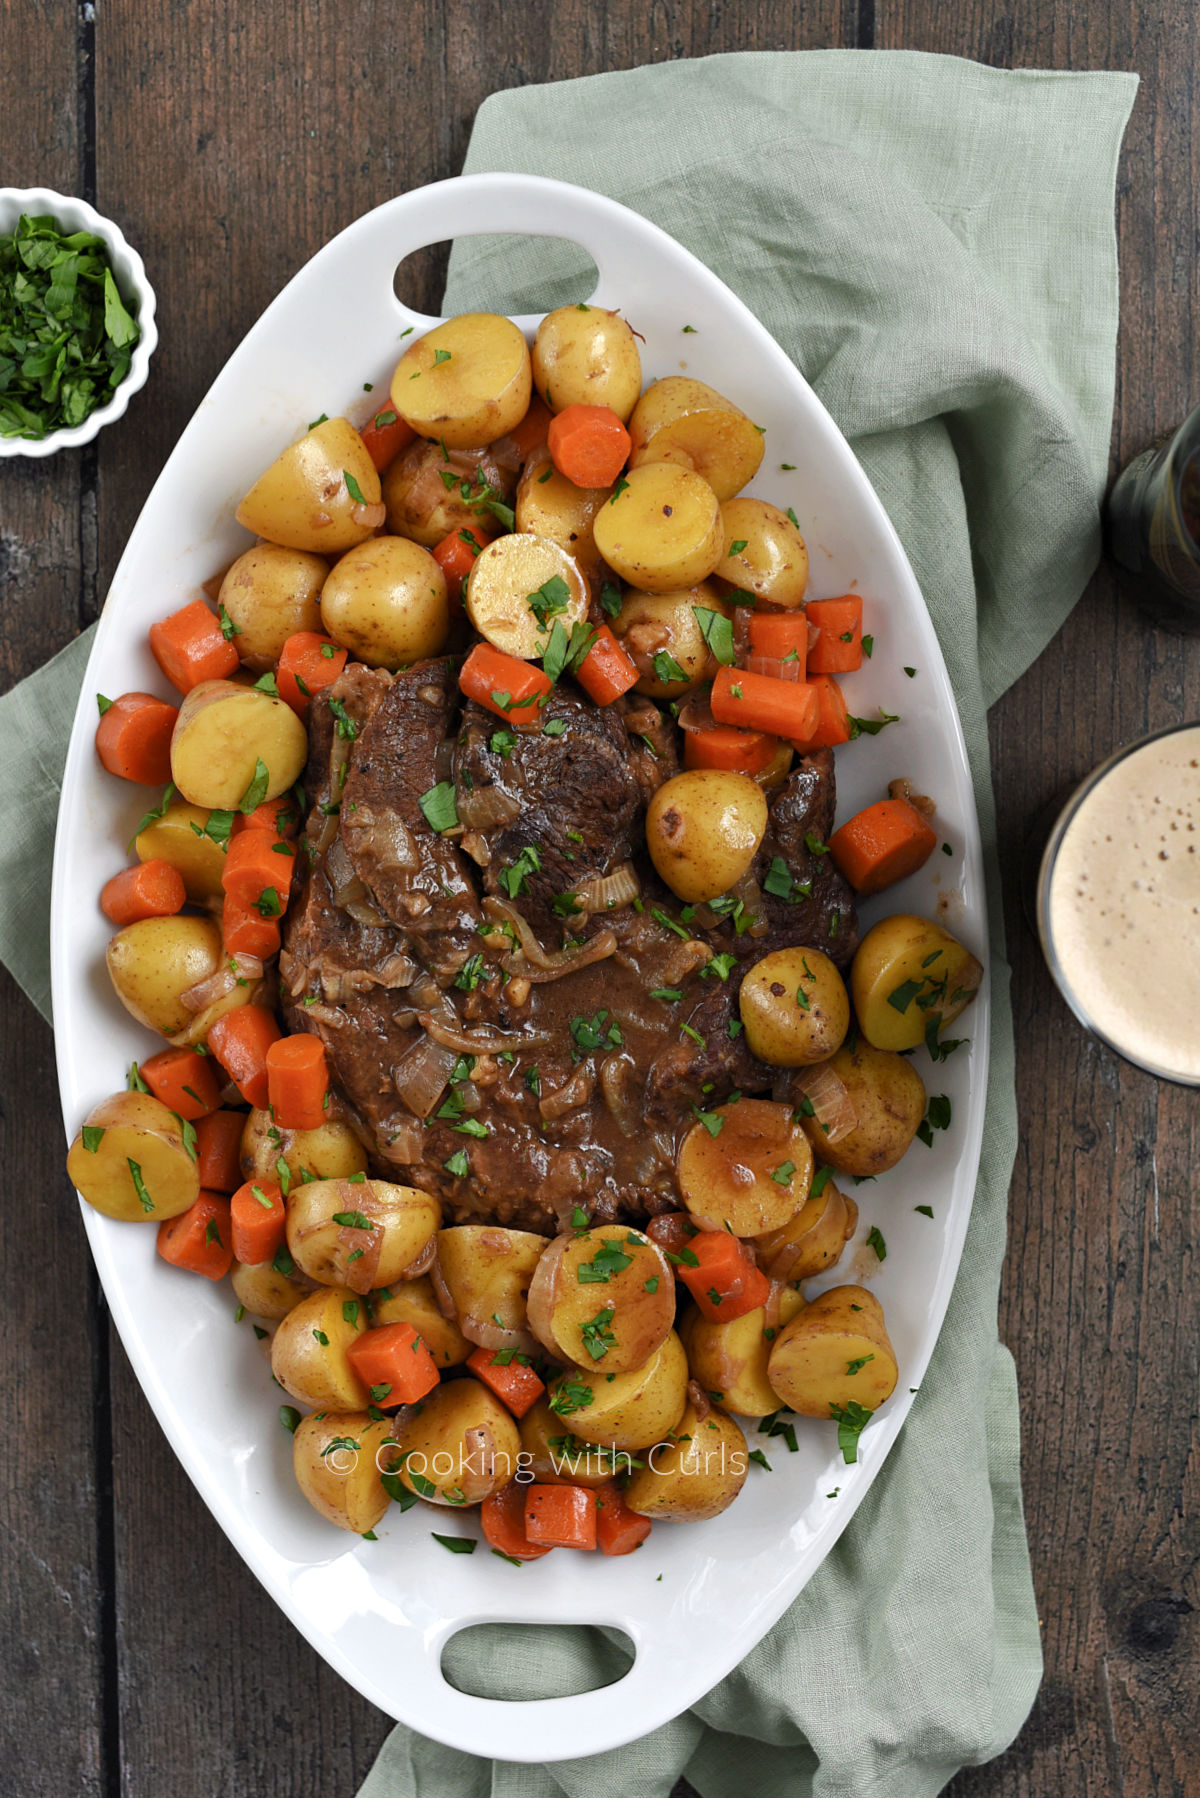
[200,1239]
[503,1519]
[280,816]
[240,1040]
[589,445]
[298,1082]
[838,648]
[151,889]
[726,1281]
[185,1082]
[618,1529]
[741,751]
[833,719]
[394,1364]
[455,556]
[219,1150]
[533,429]
[760,702]
[560,1516]
[777,644]
[307,664]
[385,436]
[504,684]
[190,647]
[258,872]
[133,738]
[510,1378]
[246,932]
[258,1222]
[885,843]
[607,670]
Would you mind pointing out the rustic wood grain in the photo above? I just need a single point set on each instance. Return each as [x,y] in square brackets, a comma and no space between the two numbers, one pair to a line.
[231,144]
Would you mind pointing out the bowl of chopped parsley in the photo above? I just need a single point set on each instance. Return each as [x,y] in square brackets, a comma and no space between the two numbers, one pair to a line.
[76,322]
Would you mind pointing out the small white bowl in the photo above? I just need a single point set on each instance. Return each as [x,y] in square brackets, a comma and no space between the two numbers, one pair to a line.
[137,293]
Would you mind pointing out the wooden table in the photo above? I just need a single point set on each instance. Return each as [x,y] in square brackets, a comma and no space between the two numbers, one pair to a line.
[141,1657]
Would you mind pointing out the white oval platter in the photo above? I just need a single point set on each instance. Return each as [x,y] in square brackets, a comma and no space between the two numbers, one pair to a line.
[696,1598]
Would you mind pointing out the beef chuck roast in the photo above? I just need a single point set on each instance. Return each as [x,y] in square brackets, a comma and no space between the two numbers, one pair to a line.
[512,1057]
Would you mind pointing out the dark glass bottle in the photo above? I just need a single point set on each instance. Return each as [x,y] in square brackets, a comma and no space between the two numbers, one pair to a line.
[1153,527]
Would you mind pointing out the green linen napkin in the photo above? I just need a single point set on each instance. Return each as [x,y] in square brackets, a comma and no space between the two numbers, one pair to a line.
[932,242]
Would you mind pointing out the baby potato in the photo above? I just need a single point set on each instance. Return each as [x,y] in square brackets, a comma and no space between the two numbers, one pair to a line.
[696,1474]
[308,1353]
[457,1446]
[154,962]
[129,1160]
[587,356]
[222,734]
[337,1458]
[604,1296]
[268,594]
[424,492]
[265,1292]
[753,1175]
[415,1302]
[487,1271]
[888,1096]
[640,1406]
[466,382]
[703,829]
[762,552]
[812,1240]
[386,603]
[907,974]
[171,838]
[331,1151]
[662,634]
[661,529]
[682,421]
[729,1360]
[836,1352]
[548,505]
[303,500]
[795,1008]
[559,1458]
[359,1233]
[513,576]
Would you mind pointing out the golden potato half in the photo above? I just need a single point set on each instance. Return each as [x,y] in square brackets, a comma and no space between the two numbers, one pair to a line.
[466,382]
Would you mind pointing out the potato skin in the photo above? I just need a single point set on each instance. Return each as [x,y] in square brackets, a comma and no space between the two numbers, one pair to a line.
[466,382]
[907,951]
[488,1270]
[812,1357]
[308,1354]
[642,1405]
[889,1097]
[687,423]
[587,356]
[270,593]
[302,501]
[661,530]
[414,1302]
[337,1459]
[153,962]
[331,1152]
[548,505]
[265,1292]
[773,562]
[135,1127]
[197,858]
[386,603]
[703,829]
[457,1446]
[756,1136]
[812,1240]
[652,623]
[635,1305]
[223,731]
[401,1221]
[556,1456]
[422,506]
[795,1008]
[729,1360]
[695,1475]
[501,580]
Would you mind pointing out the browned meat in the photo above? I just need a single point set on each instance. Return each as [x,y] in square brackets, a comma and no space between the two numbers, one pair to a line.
[820,910]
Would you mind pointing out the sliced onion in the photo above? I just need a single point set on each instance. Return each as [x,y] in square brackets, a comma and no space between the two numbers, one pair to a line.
[372,515]
[696,713]
[485,808]
[778,667]
[671,1230]
[699,1399]
[685,958]
[360,1273]
[423,1262]
[566,961]
[234,970]
[574,1092]
[607,892]
[325,1014]
[483,1042]
[385,836]
[404,1143]
[617,1075]
[441,1292]
[750,894]
[832,1107]
[421,1075]
[484,1333]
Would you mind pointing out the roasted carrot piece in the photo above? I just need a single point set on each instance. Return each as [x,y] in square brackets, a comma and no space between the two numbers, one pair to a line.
[219,1150]
[298,1082]
[618,1529]
[510,1378]
[257,865]
[504,684]
[258,1221]
[133,738]
[385,435]
[607,670]
[833,719]
[307,664]
[726,1282]
[760,702]
[200,1239]
[777,644]
[185,1082]
[560,1516]
[240,1040]
[838,648]
[503,1519]
[245,931]
[533,429]
[589,445]
[882,844]
[151,889]
[742,751]
[280,816]
[394,1364]
[190,647]
[455,556]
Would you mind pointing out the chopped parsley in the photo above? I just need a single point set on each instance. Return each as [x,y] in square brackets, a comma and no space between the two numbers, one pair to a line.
[717,632]
[597,1334]
[875,1241]
[515,878]
[850,1420]
[440,806]
[597,1032]
[666,668]
[552,597]
[608,1260]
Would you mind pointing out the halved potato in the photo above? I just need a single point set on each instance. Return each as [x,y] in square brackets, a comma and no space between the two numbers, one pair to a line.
[331,1151]
[359,1233]
[729,1360]
[519,588]
[587,356]
[558,1457]
[305,501]
[813,1240]
[308,1354]
[430,495]
[415,1302]
[386,603]
[130,1161]
[662,635]
[225,736]
[198,858]
[909,973]
[888,1096]
[265,1292]
[487,1271]
[836,1352]
[638,1407]
[762,552]
[682,421]
[604,1299]
[753,1175]
[696,1474]
[338,1457]
[466,382]
[661,529]
[548,505]
[457,1446]
[154,961]
[268,594]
